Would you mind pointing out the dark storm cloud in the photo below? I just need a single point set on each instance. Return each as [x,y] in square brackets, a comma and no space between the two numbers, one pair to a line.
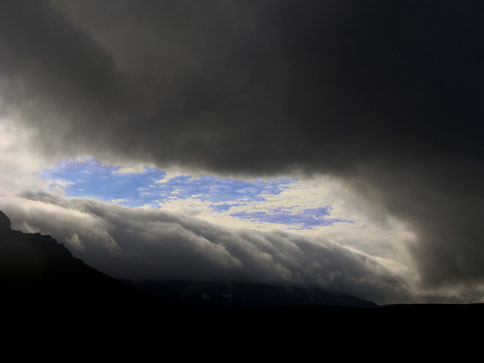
[152,244]
[385,95]
[54,75]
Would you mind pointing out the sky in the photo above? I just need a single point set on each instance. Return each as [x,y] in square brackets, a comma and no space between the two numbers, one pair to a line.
[87,177]
[335,144]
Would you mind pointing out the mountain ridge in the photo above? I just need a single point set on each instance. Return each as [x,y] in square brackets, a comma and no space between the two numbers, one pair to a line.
[38,271]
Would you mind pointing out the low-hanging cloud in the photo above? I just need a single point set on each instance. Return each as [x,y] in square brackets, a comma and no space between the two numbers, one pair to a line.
[149,244]
[384,95]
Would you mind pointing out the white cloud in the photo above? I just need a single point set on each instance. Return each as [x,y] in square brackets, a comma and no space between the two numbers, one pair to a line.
[385,238]
[19,166]
[148,243]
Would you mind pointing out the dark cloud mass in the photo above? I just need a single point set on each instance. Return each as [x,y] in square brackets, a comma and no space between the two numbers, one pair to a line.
[385,95]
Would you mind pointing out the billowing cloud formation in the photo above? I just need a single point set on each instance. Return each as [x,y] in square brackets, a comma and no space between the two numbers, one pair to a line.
[384,95]
[148,243]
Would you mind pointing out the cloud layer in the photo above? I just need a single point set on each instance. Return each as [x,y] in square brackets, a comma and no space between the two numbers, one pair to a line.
[385,96]
[150,244]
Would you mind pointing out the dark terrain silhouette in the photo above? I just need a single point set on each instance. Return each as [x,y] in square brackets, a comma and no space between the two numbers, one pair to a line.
[38,272]
[39,278]
[244,295]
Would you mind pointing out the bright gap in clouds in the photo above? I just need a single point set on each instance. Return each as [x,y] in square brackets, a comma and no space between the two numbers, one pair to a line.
[257,216]
[87,177]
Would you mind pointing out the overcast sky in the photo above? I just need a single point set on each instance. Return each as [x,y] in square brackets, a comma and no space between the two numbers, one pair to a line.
[320,143]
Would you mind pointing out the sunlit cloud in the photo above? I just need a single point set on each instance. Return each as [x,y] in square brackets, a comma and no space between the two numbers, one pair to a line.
[88,177]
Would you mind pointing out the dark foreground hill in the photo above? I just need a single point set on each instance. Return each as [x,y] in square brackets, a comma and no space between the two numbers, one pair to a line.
[38,272]
[245,295]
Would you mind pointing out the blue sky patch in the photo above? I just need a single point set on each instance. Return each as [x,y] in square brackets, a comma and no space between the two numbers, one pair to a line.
[87,177]
[303,219]
[213,189]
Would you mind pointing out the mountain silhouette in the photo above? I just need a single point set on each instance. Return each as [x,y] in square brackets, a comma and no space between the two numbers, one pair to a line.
[245,295]
[37,271]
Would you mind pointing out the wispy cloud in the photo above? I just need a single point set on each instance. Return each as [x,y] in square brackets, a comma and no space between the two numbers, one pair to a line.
[87,177]
[303,219]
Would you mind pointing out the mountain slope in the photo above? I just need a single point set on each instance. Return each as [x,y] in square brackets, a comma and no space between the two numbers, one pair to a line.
[245,295]
[36,270]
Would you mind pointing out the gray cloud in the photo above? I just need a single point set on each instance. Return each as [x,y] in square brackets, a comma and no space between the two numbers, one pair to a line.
[140,244]
[386,96]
